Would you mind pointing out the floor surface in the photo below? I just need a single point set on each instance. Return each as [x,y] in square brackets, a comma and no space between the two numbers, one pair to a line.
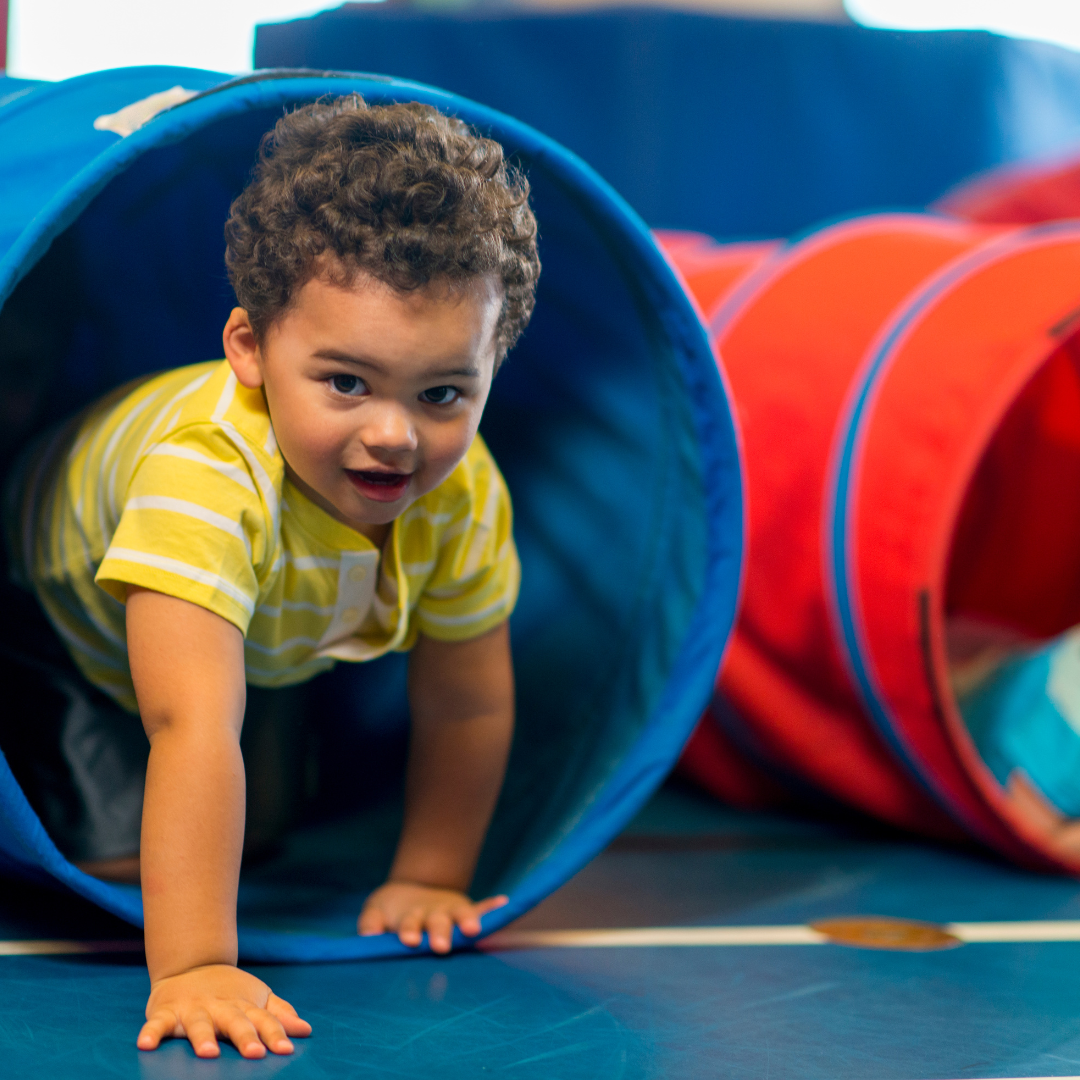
[754,1012]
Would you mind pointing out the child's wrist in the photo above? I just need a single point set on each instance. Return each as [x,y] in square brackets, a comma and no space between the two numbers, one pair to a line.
[429,881]
[168,967]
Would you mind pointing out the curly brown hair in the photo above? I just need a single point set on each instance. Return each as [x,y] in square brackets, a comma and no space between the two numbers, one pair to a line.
[401,192]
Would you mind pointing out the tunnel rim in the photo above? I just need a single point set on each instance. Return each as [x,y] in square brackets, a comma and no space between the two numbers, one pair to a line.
[977,810]
[690,678]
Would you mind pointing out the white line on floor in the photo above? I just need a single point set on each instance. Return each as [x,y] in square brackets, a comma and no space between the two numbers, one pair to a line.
[67,948]
[982,932]
[643,937]
[1063,930]
[658,935]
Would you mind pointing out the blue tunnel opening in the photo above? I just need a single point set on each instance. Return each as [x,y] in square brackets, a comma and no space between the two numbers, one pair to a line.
[609,421]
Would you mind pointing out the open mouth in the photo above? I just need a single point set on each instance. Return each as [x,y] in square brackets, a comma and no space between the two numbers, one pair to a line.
[379,484]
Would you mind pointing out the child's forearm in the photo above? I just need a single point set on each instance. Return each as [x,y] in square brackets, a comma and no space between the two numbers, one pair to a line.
[192,838]
[462,699]
[188,668]
[455,772]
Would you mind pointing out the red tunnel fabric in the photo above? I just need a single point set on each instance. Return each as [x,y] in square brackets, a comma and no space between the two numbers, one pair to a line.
[891,374]
[712,270]
[1018,194]
[973,372]
[1014,549]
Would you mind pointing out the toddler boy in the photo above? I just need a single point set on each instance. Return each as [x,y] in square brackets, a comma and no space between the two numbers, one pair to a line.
[320,495]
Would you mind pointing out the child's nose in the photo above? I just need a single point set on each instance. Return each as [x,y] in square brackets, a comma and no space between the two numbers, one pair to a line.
[388,426]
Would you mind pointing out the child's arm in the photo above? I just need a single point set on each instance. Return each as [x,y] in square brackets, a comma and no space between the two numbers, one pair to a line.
[188,667]
[462,700]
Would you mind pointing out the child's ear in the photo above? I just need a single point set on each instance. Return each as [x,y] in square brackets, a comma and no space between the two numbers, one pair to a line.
[242,349]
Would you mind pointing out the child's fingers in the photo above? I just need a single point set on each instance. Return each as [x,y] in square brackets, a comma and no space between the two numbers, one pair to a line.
[467,919]
[1069,835]
[292,1023]
[372,921]
[468,916]
[270,1031]
[159,1026]
[440,931]
[410,929]
[199,1029]
[234,1024]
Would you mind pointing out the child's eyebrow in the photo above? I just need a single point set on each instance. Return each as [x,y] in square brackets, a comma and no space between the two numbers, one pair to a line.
[345,358]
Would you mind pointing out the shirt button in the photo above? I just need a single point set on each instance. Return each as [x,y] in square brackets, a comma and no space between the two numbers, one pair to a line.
[358,573]
[350,614]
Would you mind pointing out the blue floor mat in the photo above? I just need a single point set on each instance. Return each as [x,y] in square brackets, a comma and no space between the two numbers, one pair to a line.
[746,1013]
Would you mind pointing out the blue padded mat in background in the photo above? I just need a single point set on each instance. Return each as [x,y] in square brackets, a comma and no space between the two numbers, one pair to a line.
[734,127]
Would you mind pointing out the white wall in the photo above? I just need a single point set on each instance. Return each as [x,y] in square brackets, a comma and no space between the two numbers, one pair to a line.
[56,39]
[829,10]
[1044,20]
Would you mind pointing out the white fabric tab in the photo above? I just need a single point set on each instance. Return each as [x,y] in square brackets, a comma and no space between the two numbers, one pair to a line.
[357,575]
[132,117]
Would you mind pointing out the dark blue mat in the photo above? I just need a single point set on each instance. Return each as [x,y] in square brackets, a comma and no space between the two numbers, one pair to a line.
[735,1013]
[734,127]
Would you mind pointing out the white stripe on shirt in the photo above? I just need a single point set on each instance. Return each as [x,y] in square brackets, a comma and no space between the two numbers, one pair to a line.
[228,392]
[276,650]
[114,440]
[233,472]
[266,486]
[463,620]
[182,569]
[481,532]
[191,510]
[417,511]
[191,387]
[311,562]
[273,611]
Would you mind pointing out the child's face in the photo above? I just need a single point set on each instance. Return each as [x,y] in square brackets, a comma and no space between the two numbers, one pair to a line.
[375,395]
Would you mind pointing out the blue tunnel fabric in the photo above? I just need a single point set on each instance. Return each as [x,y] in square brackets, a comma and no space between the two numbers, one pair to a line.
[609,421]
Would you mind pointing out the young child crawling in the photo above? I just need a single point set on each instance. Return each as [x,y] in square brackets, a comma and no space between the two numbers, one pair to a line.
[320,495]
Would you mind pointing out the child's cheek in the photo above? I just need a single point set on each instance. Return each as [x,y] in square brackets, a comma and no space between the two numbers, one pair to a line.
[452,446]
[310,448]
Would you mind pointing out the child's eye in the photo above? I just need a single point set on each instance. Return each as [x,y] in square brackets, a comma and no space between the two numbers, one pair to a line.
[440,395]
[350,385]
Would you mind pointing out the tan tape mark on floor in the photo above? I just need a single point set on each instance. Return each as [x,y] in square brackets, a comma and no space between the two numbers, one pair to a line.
[878,932]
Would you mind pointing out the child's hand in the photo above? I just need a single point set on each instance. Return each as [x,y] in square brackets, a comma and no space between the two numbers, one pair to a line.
[408,910]
[220,1000]
[1060,833]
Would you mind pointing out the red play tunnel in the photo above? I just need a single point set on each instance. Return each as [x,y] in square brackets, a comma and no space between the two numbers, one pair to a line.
[908,391]
[1021,194]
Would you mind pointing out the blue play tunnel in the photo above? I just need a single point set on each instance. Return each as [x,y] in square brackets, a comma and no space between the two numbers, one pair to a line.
[609,421]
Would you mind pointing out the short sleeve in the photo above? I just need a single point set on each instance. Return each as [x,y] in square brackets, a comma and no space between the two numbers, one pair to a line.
[475,583]
[197,523]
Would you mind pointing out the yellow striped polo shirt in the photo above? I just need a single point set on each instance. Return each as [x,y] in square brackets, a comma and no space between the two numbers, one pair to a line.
[176,483]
